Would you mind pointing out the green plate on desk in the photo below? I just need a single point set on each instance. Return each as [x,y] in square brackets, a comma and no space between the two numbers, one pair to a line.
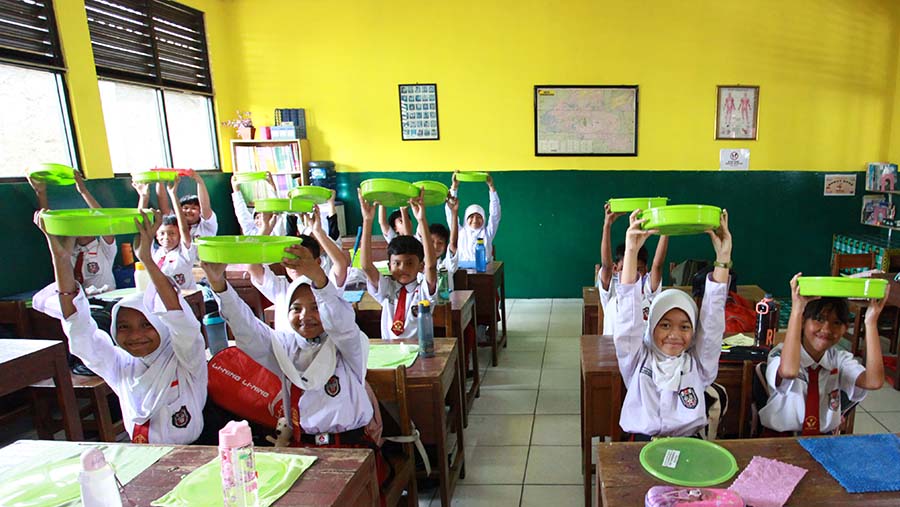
[53,174]
[688,461]
[389,192]
[318,195]
[435,192]
[244,249]
[154,176]
[250,176]
[682,219]
[842,287]
[629,204]
[472,176]
[278,205]
[91,222]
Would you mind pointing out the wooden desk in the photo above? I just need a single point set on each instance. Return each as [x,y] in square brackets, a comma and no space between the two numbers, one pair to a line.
[488,286]
[379,247]
[433,383]
[591,311]
[24,362]
[622,481]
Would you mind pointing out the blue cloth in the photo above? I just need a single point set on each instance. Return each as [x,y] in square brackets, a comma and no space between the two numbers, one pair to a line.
[353,296]
[861,463]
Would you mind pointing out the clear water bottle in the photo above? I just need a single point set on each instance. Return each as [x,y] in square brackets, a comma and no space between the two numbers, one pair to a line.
[425,329]
[480,256]
[98,481]
[216,333]
[443,286]
[766,321]
[141,277]
[240,487]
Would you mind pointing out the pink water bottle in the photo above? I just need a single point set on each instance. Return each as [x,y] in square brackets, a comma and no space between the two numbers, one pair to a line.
[240,487]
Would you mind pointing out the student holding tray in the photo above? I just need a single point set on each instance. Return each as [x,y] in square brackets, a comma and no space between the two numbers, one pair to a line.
[475,224]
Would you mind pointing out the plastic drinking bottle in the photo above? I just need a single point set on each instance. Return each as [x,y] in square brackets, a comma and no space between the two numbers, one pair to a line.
[443,286]
[98,481]
[425,329]
[141,277]
[766,321]
[240,487]
[216,333]
[480,257]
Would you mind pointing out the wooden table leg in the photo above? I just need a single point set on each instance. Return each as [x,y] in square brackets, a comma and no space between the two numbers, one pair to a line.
[585,447]
[502,280]
[65,395]
[100,401]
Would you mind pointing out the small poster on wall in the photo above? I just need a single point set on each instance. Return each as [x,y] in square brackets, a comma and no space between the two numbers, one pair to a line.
[734,160]
[840,184]
[737,112]
[419,112]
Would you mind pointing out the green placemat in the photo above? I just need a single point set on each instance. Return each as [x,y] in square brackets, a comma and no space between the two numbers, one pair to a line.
[203,487]
[392,355]
[47,475]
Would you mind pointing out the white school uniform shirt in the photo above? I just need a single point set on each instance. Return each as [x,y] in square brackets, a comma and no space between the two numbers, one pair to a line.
[386,293]
[450,262]
[206,227]
[786,407]
[274,288]
[608,300]
[349,407]
[97,265]
[389,235]
[178,264]
[646,409]
[245,218]
[180,419]
[466,238]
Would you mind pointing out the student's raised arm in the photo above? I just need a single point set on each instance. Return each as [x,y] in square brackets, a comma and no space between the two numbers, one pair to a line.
[789,366]
[493,208]
[143,191]
[183,228]
[168,294]
[873,377]
[61,248]
[365,251]
[405,228]
[721,240]
[339,262]
[453,206]
[206,210]
[659,261]
[241,212]
[418,206]
[629,328]
[606,256]
[382,220]
[635,237]
[452,214]
[40,191]
[92,203]
[165,207]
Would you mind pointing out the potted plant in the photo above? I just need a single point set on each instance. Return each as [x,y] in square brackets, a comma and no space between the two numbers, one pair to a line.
[243,125]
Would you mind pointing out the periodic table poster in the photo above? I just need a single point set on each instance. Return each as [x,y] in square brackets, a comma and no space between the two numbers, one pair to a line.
[418,112]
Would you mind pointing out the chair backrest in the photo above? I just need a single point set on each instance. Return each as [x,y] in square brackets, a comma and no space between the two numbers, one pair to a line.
[851,261]
[14,314]
[389,386]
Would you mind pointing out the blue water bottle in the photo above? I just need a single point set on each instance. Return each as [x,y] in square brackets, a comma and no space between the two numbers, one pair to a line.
[216,334]
[480,256]
[426,329]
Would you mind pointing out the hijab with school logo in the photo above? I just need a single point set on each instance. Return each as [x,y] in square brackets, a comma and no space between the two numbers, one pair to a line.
[668,370]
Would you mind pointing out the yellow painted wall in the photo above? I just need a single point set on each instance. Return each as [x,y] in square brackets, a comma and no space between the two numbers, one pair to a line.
[827,71]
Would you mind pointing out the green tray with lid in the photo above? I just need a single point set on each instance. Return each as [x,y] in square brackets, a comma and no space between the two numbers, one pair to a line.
[688,461]
[244,249]
[53,174]
[472,176]
[92,222]
[629,204]
[435,192]
[842,287]
[389,192]
[318,195]
[682,219]
[279,205]
[154,176]
[250,177]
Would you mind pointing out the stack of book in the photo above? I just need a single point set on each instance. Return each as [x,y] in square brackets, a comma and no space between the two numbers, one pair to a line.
[275,159]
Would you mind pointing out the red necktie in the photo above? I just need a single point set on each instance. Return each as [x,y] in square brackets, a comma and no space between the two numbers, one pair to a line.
[811,415]
[141,433]
[400,314]
[79,264]
[161,261]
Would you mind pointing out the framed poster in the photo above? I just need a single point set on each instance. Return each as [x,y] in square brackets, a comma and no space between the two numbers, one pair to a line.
[419,112]
[594,120]
[737,112]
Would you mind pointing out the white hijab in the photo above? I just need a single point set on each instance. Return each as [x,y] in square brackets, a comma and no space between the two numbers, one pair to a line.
[314,363]
[471,210]
[668,370]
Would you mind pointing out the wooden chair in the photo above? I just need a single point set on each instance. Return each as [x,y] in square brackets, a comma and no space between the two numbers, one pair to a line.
[98,394]
[389,387]
[889,323]
[851,261]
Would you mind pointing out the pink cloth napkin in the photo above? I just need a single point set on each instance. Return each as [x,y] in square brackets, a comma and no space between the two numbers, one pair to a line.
[767,482]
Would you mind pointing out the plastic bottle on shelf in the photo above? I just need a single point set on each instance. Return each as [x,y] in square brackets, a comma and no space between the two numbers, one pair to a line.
[425,329]
[141,277]
[240,486]
[480,256]
[98,481]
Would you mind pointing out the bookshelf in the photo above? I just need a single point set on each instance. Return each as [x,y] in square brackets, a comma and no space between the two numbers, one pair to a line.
[878,210]
[278,156]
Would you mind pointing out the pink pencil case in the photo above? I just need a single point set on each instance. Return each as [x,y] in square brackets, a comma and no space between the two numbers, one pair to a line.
[672,496]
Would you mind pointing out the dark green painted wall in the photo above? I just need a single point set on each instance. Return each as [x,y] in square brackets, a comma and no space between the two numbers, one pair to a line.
[549,236]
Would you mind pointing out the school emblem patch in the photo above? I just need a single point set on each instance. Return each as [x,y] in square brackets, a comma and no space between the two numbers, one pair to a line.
[688,397]
[181,418]
[834,400]
[93,268]
[646,313]
[179,278]
[333,387]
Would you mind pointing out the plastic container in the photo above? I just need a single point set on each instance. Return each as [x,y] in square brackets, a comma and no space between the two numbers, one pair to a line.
[389,192]
[443,286]
[247,177]
[688,461]
[244,249]
[472,176]
[98,481]
[317,195]
[425,325]
[216,332]
[141,277]
[91,222]
[435,192]
[480,256]
[673,496]
[842,287]
[682,219]
[240,486]
[154,176]
[767,314]
[53,174]
[279,205]
[627,205]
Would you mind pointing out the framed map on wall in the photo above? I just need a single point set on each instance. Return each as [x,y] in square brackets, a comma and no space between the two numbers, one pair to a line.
[596,121]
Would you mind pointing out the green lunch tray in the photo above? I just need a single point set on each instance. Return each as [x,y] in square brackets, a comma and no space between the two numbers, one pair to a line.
[390,193]
[682,219]
[278,205]
[435,192]
[688,461]
[842,287]
[53,174]
[92,222]
[318,195]
[472,176]
[251,176]
[244,249]
[154,176]
[629,204]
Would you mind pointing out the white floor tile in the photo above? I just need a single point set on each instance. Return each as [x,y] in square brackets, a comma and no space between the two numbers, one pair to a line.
[568,358]
[561,379]
[557,496]
[504,402]
[515,342]
[493,430]
[570,342]
[554,465]
[890,420]
[566,328]
[501,378]
[495,465]
[483,496]
[518,359]
[559,402]
[886,399]
[864,424]
[556,430]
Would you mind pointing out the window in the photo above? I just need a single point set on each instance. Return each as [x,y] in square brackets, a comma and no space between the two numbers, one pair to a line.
[155,85]
[35,124]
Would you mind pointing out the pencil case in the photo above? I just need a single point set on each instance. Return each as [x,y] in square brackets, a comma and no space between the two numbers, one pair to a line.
[672,496]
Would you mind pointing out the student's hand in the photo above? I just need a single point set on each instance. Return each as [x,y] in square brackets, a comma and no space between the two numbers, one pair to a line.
[330,203]
[798,302]
[194,175]
[79,181]
[417,204]
[490,183]
[143,189]
[146,234]
[454,182]
[367,208]
[721,239]
[61,247]
[305,264]
[271,181]
[215,275]
[315,220]
[39,187]
[636,236]
[453,204]
[269,221]
[171,186]
[235,186]
[875,308]
[608,216]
